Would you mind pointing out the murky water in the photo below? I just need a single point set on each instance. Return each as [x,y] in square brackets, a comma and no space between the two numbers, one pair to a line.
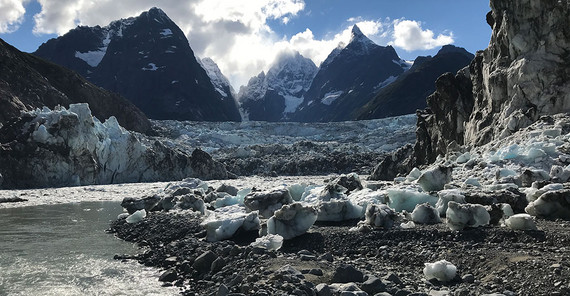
[64,250]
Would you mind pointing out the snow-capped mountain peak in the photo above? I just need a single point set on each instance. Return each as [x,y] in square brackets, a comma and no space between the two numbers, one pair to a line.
[219,80]
[273,95]
[359,43]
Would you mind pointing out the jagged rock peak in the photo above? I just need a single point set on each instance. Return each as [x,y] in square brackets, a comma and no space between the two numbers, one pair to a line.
[358,36]
[454,49]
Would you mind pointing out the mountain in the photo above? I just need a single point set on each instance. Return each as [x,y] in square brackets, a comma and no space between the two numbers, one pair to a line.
[28,82]
[148,60]
[273,97]
[219,80]
[409,91]
[348,78]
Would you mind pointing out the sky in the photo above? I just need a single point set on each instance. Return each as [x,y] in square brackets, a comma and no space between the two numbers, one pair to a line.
[245,36]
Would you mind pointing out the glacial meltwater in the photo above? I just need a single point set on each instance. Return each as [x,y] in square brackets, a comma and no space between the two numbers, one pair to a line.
[64,250]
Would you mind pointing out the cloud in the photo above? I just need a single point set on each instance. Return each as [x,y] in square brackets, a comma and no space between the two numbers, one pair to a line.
[410,36]
[11,15]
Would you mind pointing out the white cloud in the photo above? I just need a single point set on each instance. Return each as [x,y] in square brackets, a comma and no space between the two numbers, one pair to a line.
[11,15]
[410,36]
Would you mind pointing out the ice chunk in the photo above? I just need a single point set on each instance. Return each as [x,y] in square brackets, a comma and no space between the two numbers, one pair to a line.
[191,202]
[534,193]
[190,183]
[380,215]
[136,217]
[407,199]
[267,202]
[463,158]
[414,174]
[460,216]
[530,175]
[441,270]
[338,210]
[559,174]
[551,204]
[270,242]
[445,196]
[521,222]
[367,196]
[296,191]
[292,220]
[472,182]
[425,214]
[435,179]
[224,224]
[502,173]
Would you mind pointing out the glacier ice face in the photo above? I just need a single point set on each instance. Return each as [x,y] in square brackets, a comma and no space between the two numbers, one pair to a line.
[71,147]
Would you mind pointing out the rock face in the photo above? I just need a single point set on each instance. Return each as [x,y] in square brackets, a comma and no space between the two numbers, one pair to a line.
[348,78]
[277,94]
[408,92]
[148,60]
[522,75]
[63,147]
[28,82]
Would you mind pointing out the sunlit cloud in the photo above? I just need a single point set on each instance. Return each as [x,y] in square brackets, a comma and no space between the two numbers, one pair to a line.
[410,36]
[11,15]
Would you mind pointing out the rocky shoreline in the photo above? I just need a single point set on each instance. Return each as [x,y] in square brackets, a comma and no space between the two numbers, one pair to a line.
[381,262]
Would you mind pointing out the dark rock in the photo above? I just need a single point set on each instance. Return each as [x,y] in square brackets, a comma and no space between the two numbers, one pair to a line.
[132,204]
[373,285]
[468,278]
[347,273]
[439,124]
[218,265]
[392,277]
[351,182]
[394,164]
[204,262]
[231,190]
[170,275]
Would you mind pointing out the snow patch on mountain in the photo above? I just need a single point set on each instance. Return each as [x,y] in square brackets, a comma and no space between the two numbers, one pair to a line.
[219,80]
[330,97]
[291,103]
[166,32]
[92,58]
[385,83]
